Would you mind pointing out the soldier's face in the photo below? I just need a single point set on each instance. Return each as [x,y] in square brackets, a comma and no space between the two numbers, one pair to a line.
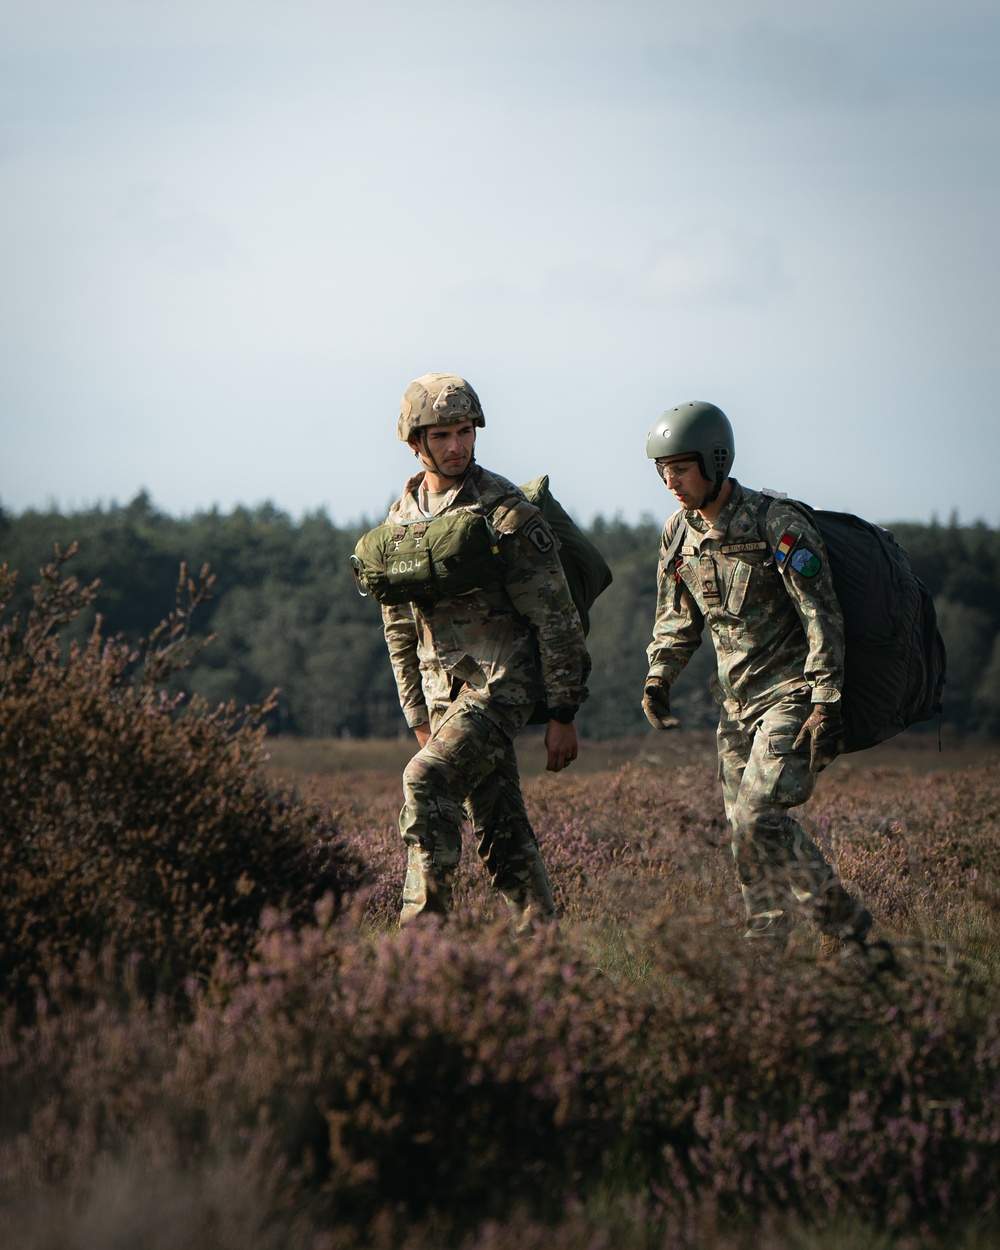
[683,476]
[448,448]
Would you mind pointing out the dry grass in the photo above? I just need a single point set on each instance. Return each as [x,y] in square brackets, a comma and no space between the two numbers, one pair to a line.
[294,758]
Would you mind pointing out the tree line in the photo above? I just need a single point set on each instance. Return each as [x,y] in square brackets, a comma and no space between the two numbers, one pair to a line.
[287,614]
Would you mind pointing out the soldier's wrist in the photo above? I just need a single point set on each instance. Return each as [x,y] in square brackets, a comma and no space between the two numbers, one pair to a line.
[564,713]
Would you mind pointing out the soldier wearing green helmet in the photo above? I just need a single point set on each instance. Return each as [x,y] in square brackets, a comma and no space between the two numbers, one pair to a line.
[472,665]
[752,567]
[696,429]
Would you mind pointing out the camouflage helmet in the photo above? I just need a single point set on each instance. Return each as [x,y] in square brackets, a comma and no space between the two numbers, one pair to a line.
[438,399]
[698,429]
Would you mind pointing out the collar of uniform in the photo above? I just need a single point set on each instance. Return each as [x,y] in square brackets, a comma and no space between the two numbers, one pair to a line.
[468,489]
[411,492]
[718,527]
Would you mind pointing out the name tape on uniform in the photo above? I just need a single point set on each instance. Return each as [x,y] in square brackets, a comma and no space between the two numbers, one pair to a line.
[738,549]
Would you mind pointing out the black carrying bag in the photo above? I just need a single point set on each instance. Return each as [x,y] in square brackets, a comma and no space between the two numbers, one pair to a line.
[894,655]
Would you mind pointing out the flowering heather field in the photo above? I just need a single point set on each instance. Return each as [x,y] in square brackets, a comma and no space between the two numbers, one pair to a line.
[213,1036]
[638,1081]
[637,831]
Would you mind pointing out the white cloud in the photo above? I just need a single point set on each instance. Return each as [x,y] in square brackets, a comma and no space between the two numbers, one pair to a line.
[710,261]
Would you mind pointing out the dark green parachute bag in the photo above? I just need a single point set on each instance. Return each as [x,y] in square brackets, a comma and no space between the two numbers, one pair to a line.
[894,656]
[587,572]
[423,560]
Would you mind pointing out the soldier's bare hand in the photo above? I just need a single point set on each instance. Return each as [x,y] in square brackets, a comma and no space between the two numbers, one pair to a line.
[656,705]
[824,730]
[423,733]
[561,745]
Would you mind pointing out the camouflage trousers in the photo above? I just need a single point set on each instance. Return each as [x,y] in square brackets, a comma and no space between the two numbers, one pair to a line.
[468,769]
[779,867]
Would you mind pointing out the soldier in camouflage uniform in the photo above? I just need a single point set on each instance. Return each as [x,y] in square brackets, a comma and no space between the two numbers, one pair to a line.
[471,669]
[759,578]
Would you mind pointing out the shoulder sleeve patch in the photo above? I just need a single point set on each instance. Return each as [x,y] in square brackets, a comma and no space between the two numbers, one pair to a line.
[538,535]
[806,562]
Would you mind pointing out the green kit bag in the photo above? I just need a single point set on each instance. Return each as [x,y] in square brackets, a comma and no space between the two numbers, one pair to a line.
[427,559]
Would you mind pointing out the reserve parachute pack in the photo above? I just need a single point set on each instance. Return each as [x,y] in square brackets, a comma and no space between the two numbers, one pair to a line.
[428,559]
[420,561]
[894,656]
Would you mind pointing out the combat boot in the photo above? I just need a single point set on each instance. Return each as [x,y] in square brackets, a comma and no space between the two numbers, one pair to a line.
[528,896]
[834,952]
[768,926]
[840,916]
[427,889]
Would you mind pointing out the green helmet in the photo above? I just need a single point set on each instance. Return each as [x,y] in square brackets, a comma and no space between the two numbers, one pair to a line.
[698,429]
[438,399]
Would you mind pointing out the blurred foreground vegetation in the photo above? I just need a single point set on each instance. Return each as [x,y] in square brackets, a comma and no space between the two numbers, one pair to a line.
[212,1035]
[287,614]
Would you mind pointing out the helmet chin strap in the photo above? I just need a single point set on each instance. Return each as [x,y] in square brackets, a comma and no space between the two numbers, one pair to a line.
[713,494]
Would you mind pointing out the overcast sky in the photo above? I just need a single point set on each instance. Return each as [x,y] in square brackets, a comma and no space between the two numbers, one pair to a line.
[232,232]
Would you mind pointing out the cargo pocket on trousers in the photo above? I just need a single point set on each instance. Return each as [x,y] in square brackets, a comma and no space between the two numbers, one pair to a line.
[791,781]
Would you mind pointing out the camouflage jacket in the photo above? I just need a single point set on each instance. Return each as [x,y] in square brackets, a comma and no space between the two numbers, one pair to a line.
[517,642]
[768,600]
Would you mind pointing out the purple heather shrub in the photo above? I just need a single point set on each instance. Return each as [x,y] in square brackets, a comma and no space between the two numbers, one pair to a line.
[134,820]
[424,1071]
[440,1079]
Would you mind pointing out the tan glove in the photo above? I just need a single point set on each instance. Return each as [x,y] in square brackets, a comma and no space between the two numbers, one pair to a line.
[656,705]
[824,728]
